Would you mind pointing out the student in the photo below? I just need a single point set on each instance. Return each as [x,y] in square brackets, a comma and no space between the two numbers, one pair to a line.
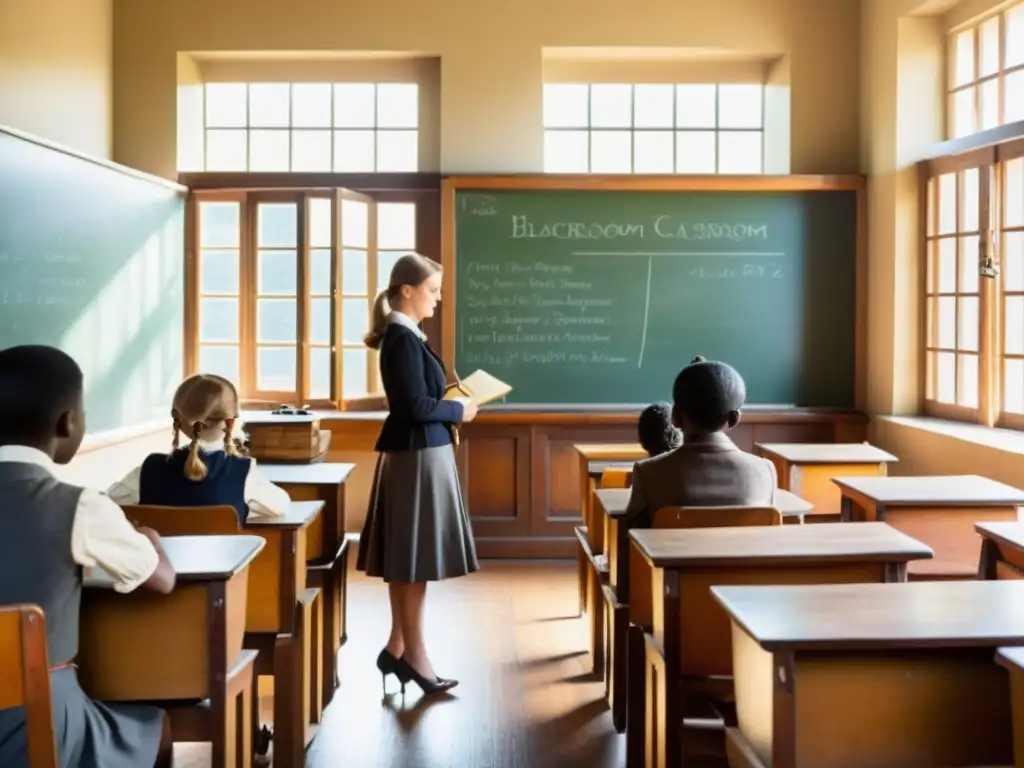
[707,470]
[655,430]
[210,470]
[49,531]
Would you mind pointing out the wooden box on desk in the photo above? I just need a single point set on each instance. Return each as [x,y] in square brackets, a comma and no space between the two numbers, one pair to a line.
[287,438]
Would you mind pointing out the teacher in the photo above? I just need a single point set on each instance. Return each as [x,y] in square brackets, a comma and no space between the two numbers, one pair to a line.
[417,529]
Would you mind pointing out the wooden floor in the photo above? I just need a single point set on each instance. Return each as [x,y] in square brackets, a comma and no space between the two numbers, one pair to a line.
[510,635]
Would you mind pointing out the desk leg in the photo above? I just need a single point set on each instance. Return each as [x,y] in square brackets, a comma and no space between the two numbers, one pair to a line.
[595,616]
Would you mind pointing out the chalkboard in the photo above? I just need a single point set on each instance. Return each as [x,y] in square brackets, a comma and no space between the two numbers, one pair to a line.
[591,296]
[92,261]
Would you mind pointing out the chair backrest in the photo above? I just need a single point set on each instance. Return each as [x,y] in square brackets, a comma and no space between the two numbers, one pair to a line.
[25,678]
[616,477]
[185,521]
[715,517]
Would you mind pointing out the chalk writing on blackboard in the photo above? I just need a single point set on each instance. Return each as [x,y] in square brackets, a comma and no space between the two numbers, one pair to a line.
[479,205]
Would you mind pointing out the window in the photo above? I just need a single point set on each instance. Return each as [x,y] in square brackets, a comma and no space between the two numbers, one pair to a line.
[653,128]
[986,73]
[1012,293]
[312,127]
[285,282]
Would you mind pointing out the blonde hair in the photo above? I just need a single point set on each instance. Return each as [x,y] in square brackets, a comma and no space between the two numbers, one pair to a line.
[202,404]
[412,269]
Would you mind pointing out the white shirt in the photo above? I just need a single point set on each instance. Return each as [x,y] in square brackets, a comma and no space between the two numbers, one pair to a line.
[264,499]
[100,534]
[403,319]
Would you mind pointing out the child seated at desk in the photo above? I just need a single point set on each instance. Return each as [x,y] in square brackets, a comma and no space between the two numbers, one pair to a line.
[655,431]
[210,470]
[708,469]
[49,531]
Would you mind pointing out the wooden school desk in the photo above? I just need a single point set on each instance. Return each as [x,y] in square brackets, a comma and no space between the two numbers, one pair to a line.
[327,549]
[866,675]
[689,639]
[940,510]
[1002,550]
[807,470]
[1012,659]
[185,646]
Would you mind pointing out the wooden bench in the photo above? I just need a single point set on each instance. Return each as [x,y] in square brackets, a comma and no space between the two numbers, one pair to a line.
[25,678]
[182,650]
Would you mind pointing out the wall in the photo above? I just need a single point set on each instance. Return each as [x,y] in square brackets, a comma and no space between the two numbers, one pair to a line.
[56,71]
[492,61]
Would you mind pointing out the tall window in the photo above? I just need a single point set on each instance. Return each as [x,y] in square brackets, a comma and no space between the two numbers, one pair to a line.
[1012,293]
[653,128]
[341,127]
[986,73]
[284,286]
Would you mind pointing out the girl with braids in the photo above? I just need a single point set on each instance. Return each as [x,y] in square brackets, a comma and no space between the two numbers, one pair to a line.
[209,468]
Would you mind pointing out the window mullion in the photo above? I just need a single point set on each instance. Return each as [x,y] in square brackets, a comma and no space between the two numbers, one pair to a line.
[988,219]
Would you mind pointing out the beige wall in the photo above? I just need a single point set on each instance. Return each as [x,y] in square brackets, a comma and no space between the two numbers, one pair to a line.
[56,71]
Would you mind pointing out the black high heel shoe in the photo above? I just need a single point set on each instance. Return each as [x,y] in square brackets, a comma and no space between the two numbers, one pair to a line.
[386,664]
[404,672]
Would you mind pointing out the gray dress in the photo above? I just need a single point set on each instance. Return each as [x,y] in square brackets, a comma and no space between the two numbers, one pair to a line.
[36,517]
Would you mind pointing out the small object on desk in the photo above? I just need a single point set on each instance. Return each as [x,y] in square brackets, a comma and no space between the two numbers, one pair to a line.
[287,410]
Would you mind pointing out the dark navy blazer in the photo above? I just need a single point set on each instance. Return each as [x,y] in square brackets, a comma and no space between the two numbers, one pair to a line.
[163,482]
[414,380]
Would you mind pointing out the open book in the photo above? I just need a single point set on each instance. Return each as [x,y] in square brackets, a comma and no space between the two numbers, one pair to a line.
[480,387]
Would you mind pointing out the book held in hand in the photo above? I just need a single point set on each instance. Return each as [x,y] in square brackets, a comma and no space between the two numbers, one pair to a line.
[480,387]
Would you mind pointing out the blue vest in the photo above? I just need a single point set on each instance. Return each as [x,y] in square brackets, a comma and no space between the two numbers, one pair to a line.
[162,481]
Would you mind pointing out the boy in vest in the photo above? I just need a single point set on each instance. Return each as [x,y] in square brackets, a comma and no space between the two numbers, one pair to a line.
[49,531]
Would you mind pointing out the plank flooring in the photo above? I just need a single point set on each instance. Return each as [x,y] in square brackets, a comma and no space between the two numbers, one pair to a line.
[510,635]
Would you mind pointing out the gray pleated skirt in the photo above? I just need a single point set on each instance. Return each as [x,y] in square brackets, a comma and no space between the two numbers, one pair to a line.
[417,527]
[89,734]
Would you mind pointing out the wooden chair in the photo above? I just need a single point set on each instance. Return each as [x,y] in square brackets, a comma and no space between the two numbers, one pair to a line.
[616,477]
[25,678]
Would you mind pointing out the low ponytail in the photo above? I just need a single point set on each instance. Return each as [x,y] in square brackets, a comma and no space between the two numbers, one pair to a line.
[378,321]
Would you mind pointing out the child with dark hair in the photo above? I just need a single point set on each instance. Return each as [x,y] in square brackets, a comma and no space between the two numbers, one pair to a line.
[655,431]
[708,469]
[49,531]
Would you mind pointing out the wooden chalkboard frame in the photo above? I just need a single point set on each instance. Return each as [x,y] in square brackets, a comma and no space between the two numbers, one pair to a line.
[621,183]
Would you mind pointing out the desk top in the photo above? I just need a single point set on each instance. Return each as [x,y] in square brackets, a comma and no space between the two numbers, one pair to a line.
[1011,658]
[772,544]
[921,614]
[614,500]
[1007,532]
[196,558]
[826,453]
[933,490]
[299,515]
[323,473]
[610,451]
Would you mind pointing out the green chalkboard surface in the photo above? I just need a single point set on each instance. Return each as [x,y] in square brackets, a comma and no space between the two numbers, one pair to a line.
[92,261]
[594,296]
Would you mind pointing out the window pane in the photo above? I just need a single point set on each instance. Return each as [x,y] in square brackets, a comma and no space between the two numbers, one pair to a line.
[695,152]
[227,150]
[947,322]
[1013,386]
[611,152]
[1013,95]
[1013,261]
[276,225]
[275,369]
[225,105]
[311,105]
[320,321]
[320,271]
[739,106]
[566,106]
[653,152]
[354,372]
[1014,341]
[355,223]
[931,264]
[739,152]
[269,150]
[320,373]
[963,46]
[1014,36]
[930,334]
[276,273]
[963,113]
[969,252]
[222,361]
[269,105]
[218,320]
[969,201]
[319,222]
[968,338]
[988,40]
[398,151]
[385,262]
[967,390]
[275,320]
[946,372]
[353,272]
[947,203]
[354,152]
[355,320]
[311,150]
[988,106]
[218,272]
[355,105]
[1013,183]
[396,225]
[218,225]
[566,152]
[611,106]
[696,106]
[653,106]
[947,265]
[398,105]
